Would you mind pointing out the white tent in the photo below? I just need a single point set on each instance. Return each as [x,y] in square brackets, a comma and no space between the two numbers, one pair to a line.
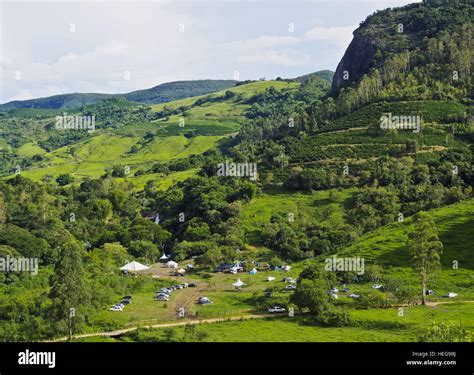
[134,266]
[287,268]
[172,264]
[164,257]
[238,283]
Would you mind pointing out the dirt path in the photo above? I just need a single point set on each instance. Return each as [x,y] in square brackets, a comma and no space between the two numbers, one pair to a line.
[166,325]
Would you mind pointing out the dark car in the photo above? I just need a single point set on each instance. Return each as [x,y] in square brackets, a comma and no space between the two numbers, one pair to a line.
[127,297]
[191,285]
[125,302]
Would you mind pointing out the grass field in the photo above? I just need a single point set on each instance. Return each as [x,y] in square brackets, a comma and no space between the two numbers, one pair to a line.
[94,156]
[376,325]
[306,207]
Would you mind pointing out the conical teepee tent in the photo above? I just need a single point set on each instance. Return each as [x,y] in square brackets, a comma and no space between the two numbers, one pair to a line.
[238,283]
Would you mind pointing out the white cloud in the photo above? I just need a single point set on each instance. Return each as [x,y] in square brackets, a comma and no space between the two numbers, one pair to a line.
[337,35]
[284,58]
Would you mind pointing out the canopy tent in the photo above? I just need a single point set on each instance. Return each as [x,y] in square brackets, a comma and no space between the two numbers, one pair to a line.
[238,283]
[253,271]
[164,257]
[134,267]
[172,264]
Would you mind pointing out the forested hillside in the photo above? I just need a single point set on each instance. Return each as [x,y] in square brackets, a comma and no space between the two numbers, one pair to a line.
[329,180]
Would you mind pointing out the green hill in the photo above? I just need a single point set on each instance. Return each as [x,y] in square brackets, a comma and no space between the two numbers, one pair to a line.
[159,94]
[325,75]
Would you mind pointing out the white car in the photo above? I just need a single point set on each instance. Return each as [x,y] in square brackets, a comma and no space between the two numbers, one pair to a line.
[290,287]
[451,295]
[276,310]
[352,295]
[116,308]
[377,286]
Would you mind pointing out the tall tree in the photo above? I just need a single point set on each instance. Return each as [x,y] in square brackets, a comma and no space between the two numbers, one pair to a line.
[3,209]
[68,292]
[425,248]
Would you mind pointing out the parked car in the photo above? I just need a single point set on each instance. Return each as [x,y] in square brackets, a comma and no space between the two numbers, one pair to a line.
[116,308]
[276,310]
[125,302]
[267,294]
[204,301]
[352,295]
[191,285]
[451,295]
[163,298]
[430,292]
[290,287]
[127,297]
[377,286]
[345,290]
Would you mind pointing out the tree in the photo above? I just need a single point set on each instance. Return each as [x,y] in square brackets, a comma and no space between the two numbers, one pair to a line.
[64,179]
[446,332]
[144,249]
[210,259]
[425,248]
[68,288]
[313,295]
[3,209]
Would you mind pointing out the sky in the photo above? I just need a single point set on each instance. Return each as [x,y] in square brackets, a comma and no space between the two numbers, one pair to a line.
[58,47]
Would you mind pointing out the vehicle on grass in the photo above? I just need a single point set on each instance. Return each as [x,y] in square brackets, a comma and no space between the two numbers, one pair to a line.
[276,310]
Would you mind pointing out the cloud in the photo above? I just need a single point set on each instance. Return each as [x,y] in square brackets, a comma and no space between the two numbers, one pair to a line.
[337,35]
[283,58]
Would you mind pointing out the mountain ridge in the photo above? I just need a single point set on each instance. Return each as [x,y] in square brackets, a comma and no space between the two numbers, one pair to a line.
[162,93]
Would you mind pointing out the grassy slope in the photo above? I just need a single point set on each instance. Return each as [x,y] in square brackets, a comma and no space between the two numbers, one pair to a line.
[388,246]
[92,157]
[306,207]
